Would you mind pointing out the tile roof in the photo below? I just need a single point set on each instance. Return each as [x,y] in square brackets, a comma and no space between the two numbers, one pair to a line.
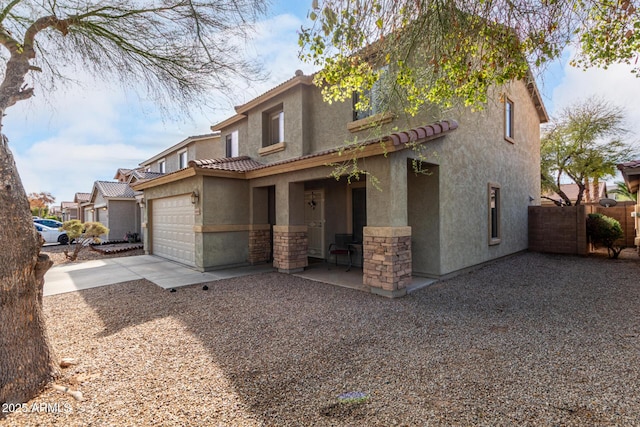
[233,164]
[298,78]
[243,164]
[123,171]
[412,135]
[632,165]
[142,174]
[68,205]
[82,197]
[115,189]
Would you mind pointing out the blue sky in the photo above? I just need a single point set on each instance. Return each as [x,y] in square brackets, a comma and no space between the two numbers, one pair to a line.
[85,133]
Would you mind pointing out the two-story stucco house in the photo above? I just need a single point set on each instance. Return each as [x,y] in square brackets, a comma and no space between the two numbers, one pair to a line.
[268,195]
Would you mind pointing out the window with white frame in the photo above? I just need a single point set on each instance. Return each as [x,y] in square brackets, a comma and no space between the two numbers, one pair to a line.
[508,120]
[494,214]
[273,126]
[161,166]
[231,144]
[183,159]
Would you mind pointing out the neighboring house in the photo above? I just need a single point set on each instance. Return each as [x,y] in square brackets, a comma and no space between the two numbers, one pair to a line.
[69,211]
[631,174]
[572,190]
[178,156]
[268,194]
[83,202]
[55,211]
[114,205]
[131,176]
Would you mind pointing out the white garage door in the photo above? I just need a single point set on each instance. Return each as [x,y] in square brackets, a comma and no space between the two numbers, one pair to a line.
[172,235]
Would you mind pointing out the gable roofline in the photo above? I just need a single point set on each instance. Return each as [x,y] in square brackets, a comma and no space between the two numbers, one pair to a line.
[122,171]
[298,79]
[82,197]
[250,169]
[179,145]
[228,122]
[106,189]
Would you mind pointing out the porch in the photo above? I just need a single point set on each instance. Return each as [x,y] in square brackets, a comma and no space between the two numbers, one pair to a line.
[324,272]
[297,217]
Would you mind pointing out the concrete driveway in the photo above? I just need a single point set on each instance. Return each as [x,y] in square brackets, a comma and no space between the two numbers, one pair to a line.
[166,274]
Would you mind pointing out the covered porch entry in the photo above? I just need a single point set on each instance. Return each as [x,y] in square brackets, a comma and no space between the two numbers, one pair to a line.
[379,219]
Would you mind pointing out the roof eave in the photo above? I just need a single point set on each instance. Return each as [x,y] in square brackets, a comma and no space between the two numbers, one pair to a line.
[532,87]
[164,179]
[293,82]
[178,146]
[230,121]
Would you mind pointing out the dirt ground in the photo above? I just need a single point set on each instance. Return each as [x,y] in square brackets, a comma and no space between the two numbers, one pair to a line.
[531,340]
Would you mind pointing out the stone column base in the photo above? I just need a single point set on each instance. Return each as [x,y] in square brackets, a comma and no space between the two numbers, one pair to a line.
[259,243]
[290,248]
[387,260]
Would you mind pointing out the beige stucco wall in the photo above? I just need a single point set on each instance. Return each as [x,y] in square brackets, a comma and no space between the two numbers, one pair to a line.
[225,202]
[424,216]
[123,217]
[210,148]
[475,155]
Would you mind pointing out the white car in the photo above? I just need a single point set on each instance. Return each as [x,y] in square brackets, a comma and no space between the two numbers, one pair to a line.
[52,235]
[51,223]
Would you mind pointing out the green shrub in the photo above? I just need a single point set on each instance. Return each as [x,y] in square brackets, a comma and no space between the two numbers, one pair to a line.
[604,231]
[83,235]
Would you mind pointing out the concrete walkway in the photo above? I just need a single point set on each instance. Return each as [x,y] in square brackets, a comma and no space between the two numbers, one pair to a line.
[164,273]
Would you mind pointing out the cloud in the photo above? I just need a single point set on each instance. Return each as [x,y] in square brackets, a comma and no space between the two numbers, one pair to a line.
[616,84]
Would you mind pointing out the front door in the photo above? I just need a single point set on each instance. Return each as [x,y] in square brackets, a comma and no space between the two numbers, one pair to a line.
[314,220]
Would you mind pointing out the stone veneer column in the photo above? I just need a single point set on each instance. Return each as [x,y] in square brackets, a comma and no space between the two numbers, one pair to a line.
[290,248]
[387,260]
[259,243]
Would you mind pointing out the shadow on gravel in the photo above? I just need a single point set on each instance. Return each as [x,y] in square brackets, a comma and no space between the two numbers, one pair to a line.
[534,339]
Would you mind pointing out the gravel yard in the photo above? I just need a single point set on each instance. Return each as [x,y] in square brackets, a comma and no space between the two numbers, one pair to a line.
[531,340]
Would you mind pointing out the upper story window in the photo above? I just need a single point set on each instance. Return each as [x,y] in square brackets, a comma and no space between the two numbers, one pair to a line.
[182,156]
[273,126]
[494,214]
[377,96]
[508,120]
[161,166]
[231,144]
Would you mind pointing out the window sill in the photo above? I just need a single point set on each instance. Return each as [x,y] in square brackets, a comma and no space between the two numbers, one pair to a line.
[371,121]
[274,148]
[509,140]
[493,242]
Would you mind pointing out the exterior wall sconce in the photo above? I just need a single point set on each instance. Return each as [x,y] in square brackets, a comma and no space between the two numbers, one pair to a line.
[104,209]
[195,197]
[93,210]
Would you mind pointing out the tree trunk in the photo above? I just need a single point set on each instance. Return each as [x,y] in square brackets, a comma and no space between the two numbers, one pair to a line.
[587,190]
[26,357]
